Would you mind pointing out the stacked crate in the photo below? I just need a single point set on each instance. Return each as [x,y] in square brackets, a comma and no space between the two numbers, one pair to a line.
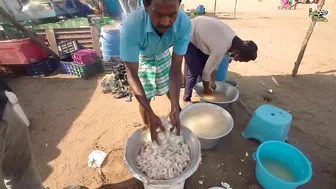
[82,63]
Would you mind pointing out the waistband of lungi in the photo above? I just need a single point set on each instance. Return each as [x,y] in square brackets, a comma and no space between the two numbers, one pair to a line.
[154,57]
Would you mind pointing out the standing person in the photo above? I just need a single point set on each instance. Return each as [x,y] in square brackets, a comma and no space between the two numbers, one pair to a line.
[211,40]
[146,37]
[16,169]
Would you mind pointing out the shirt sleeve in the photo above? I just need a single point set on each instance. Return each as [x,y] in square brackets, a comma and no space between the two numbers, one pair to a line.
[181,44]
[212,64]
[129,42]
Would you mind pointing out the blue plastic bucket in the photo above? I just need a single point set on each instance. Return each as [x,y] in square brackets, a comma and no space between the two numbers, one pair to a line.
[201,9]
[110,41]
[288,157]
[222,69]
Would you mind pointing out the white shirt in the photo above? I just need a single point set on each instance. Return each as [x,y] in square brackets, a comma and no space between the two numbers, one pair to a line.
[213,38]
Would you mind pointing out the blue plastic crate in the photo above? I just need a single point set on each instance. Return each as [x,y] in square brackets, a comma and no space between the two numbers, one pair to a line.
[44,68]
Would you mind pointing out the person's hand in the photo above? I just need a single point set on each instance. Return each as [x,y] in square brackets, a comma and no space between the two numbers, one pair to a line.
[213,86]
[154,123]
[174,117]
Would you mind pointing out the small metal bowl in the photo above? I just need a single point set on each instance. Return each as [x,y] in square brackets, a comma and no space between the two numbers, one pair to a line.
[195,109]
[138,139]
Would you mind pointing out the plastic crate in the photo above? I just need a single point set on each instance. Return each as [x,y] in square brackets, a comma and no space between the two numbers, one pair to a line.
[21,51]
[43,68]
[67,48]
[12,32]
[82,71]
[85,57]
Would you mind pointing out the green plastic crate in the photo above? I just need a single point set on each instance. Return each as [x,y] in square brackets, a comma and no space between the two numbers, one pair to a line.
[12,32]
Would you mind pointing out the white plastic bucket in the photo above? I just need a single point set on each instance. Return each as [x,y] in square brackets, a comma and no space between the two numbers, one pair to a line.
[177,186]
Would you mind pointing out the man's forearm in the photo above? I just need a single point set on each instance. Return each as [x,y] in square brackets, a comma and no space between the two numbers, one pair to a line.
[175,83]
[174,89]
[140,94]
[136,86]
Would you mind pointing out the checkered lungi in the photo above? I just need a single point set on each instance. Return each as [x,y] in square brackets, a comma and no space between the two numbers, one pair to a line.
[154,74]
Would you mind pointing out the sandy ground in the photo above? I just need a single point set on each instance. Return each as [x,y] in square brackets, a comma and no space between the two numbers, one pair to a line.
[71,117]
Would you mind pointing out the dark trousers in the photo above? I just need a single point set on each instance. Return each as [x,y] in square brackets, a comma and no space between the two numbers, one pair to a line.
[195,60]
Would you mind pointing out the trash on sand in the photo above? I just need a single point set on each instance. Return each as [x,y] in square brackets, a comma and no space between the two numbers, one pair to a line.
[225,185]
[200,182]
[240,173]
[96,158]
[246,154]
[270,91]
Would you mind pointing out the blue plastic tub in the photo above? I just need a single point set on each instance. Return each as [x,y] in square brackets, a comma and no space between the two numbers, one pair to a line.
[287,156]
[222,69]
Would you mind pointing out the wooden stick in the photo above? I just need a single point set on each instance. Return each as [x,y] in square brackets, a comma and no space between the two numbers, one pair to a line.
[305,42]
[28,33]
[235,10]
[215,6]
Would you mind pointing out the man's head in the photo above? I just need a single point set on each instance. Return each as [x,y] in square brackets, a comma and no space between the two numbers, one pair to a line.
[243,51]
[162,13]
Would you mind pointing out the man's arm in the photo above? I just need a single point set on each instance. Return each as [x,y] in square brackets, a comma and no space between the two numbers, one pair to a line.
[175,82]
[180,49]
[209,71]
[136,86]
[129,52]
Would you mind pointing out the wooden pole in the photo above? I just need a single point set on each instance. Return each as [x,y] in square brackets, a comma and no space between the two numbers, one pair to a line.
[235,10]
[305,42]
[28,33]
[215,6]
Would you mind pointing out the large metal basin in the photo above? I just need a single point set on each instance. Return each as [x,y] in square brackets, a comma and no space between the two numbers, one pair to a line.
[231,93]
[189,112]
[138,139]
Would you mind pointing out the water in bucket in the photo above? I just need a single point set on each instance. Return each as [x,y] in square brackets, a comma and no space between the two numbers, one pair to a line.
[278,170]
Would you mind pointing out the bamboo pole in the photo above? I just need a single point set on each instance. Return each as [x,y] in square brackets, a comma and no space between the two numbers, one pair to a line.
[215,6]
[305,42]
[28,33]
[235,10]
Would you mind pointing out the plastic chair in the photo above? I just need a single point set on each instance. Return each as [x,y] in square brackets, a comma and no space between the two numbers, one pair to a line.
[268,123]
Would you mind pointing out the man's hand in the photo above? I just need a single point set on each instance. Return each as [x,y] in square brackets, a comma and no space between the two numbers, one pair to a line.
[212,86]
[175,121]
[207,87]
[154,122]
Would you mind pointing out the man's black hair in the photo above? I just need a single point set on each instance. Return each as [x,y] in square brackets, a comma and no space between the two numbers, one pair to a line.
[248,51]
[148,2]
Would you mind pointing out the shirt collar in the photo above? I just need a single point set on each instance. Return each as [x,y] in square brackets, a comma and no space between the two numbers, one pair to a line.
[149,27]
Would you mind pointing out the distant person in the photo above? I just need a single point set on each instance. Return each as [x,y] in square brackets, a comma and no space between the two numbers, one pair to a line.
[294,4]
[17,170]
[285,4]
[211,40]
